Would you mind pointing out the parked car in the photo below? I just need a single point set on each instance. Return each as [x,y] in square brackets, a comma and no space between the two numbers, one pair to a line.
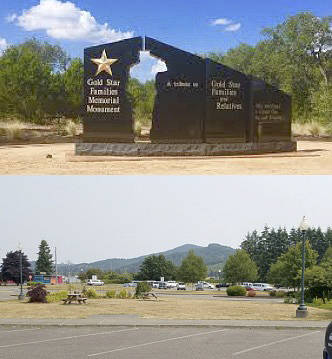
[162,285]
[208,285]
[264,287]
[95,282]
[171,284]
[199,286]
[130,284]
[181,286]
[246,284]
[222,285]
[327,352]
[155,285]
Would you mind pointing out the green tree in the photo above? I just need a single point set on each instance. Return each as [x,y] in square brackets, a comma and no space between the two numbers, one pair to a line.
[192,268]
[90,272]
[10,268]
[154,267]
[24,84]
[240,58]
[52,55]
[73,85]
[287,270]
[240,268]
[44,262]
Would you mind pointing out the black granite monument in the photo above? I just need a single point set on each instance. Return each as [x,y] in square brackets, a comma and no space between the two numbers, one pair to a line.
[108,111]
[201,107]
[179,109]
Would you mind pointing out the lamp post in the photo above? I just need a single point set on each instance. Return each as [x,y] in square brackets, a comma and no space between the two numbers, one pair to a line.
[301,311]
[21,295]
[219,272]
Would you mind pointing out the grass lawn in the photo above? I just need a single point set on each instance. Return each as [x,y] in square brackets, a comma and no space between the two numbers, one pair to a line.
[327,305]
[166,308]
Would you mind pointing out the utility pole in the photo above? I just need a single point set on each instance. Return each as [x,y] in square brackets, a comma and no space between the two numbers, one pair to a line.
[56,266]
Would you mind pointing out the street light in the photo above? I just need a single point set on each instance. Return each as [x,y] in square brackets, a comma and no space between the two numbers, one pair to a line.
[301,311]
[21,295]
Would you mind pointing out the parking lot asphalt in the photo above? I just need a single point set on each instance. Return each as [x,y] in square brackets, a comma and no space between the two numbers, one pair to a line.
[159,343]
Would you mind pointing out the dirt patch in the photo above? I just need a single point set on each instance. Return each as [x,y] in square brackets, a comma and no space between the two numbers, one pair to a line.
[313,157]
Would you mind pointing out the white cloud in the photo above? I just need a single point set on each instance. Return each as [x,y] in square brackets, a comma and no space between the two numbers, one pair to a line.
[63,20]
[11,18]
[160,66]
[3,44]
[221,21]
[233,27]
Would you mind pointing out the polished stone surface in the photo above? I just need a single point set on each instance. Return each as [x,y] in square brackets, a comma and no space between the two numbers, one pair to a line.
[105,80]
[179,109]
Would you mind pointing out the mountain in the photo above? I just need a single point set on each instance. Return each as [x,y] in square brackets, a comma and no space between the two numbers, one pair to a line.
[214,255]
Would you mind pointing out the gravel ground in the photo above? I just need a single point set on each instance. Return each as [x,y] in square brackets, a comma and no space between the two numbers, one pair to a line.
[313,157]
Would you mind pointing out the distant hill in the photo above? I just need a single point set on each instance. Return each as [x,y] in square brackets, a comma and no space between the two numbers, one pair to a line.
[214,255]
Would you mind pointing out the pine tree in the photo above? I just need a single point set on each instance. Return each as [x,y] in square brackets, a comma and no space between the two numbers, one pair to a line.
[10,269]
[44,262]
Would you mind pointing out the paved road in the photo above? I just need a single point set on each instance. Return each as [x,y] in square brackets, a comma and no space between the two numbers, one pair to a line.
[159,343]
[8,292]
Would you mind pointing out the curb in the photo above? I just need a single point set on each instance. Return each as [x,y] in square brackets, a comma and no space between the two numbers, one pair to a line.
[103,325]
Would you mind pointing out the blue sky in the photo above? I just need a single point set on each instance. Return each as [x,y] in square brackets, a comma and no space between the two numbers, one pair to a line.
[187,24]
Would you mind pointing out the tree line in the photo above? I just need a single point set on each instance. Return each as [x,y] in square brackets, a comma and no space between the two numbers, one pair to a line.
[11,264]
[155,267]
[266,247]
[295,56]
[39,81]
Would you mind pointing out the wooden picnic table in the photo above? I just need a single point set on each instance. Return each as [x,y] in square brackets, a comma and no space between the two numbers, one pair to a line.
[74,297]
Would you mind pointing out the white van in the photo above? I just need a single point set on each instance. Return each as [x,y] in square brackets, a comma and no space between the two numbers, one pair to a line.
[264,287]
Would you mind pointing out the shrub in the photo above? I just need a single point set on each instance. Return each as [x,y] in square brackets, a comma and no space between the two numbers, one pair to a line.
[57,296]
[280,293]
[89,293]
[290,300]
[71,128]
[122,294]
[111,294]
[37,293]
[142,287]
[137,128]
[273,293]
[251,293]
[236,290]
[317,302]
[12,130]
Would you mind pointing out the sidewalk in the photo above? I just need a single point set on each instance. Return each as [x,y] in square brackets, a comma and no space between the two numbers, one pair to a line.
[135,321]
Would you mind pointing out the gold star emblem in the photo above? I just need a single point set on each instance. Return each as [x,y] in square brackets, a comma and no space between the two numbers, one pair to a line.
[104,64]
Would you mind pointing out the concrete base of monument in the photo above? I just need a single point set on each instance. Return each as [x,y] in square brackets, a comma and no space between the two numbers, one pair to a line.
[184,149]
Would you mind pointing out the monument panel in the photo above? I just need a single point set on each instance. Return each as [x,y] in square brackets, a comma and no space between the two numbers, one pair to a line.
[107,108]
[179,109]
[227,104]
[271,113]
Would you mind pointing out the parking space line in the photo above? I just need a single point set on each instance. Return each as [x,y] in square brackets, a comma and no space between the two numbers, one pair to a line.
[17,330]
[276,342]
[66,338]
[157,341]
